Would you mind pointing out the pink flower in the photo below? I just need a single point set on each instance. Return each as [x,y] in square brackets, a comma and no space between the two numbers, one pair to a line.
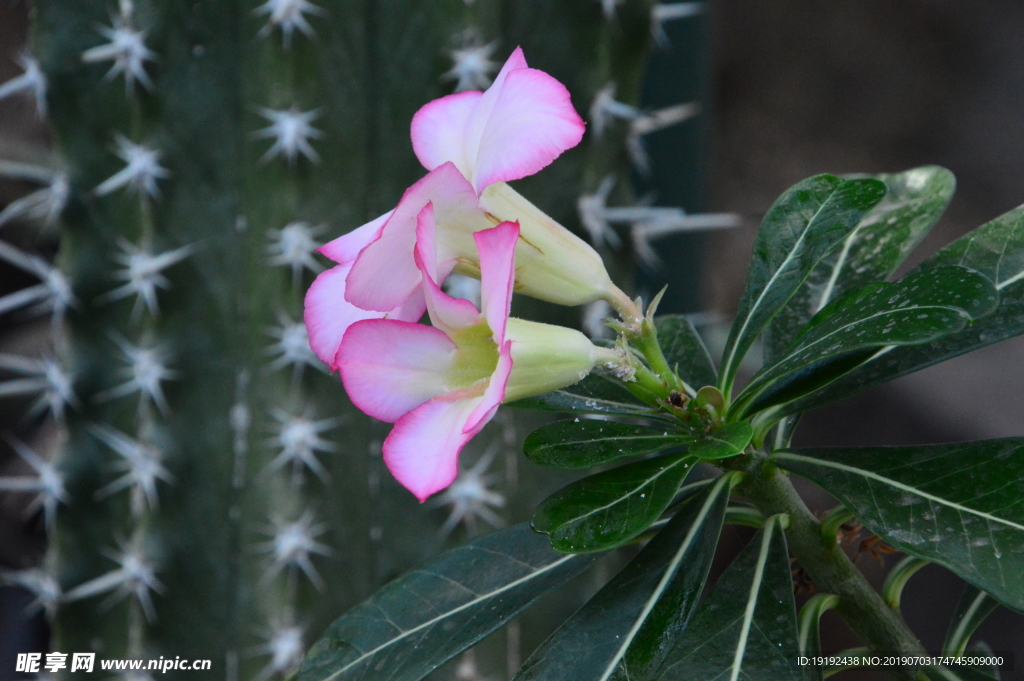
[523,122]
[472,142]
[515,128]
[441,384]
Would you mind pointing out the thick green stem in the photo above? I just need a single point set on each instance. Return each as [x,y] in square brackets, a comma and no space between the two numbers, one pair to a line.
[831,569]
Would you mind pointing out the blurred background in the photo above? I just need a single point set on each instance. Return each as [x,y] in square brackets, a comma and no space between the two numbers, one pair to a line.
[788,89]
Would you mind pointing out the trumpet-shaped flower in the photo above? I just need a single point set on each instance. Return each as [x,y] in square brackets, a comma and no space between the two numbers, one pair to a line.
[441,384]
[471,142]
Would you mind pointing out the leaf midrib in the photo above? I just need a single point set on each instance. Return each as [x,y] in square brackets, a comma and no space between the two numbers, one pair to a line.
[778,368]
[450,613]
[670,438]
[687,460]
[755,588]
[898,485]
[698,524]
[727,364]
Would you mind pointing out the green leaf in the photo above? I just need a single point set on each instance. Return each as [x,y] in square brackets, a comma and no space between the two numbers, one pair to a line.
[809,641]
[427,616]
[923,306]
[586,443]
[996,250]
[914,202]
[593,395]
[684,350]
[627,620]
[605,510]
[960,505]
[729,440]
[804,225]
[747,627]
[974,608]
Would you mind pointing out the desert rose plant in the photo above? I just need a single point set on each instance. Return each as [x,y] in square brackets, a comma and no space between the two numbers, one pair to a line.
[209,491]
[651,409]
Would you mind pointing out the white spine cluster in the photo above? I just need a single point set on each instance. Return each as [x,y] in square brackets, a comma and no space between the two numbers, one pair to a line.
[142,273]
[293,246]
[44,204]
[40,584]
[647,223]
[649,122]
[472,66]
[298,438]
[145,370]
[31,82]
[142,467]
[471,497]
[291,131]
[285,648]
[48,483]
[291,347]
[292,546]
[605,107]
[126,49]
[44,377]
[53,294]
[288,15]
[135,576]
[141,171]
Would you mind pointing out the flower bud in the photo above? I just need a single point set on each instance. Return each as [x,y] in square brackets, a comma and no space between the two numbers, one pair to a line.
[552,263]
[547,357]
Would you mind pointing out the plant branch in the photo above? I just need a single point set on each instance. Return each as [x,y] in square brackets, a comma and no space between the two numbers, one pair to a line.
[831,569]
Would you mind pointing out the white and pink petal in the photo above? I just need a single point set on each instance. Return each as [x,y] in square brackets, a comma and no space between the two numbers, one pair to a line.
[422,451]
[497,247]
[390,367]
[328,315]
[438,130]
[385,273]
[346,247]
[533,121]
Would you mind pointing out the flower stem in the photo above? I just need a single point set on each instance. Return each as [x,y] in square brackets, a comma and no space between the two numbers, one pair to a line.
[647,343]
[627,309]
[831,569]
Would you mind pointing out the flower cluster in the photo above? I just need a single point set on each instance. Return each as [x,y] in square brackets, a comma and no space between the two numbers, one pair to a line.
[440,384]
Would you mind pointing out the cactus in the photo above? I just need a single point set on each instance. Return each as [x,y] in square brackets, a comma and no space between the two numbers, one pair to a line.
[212,498]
